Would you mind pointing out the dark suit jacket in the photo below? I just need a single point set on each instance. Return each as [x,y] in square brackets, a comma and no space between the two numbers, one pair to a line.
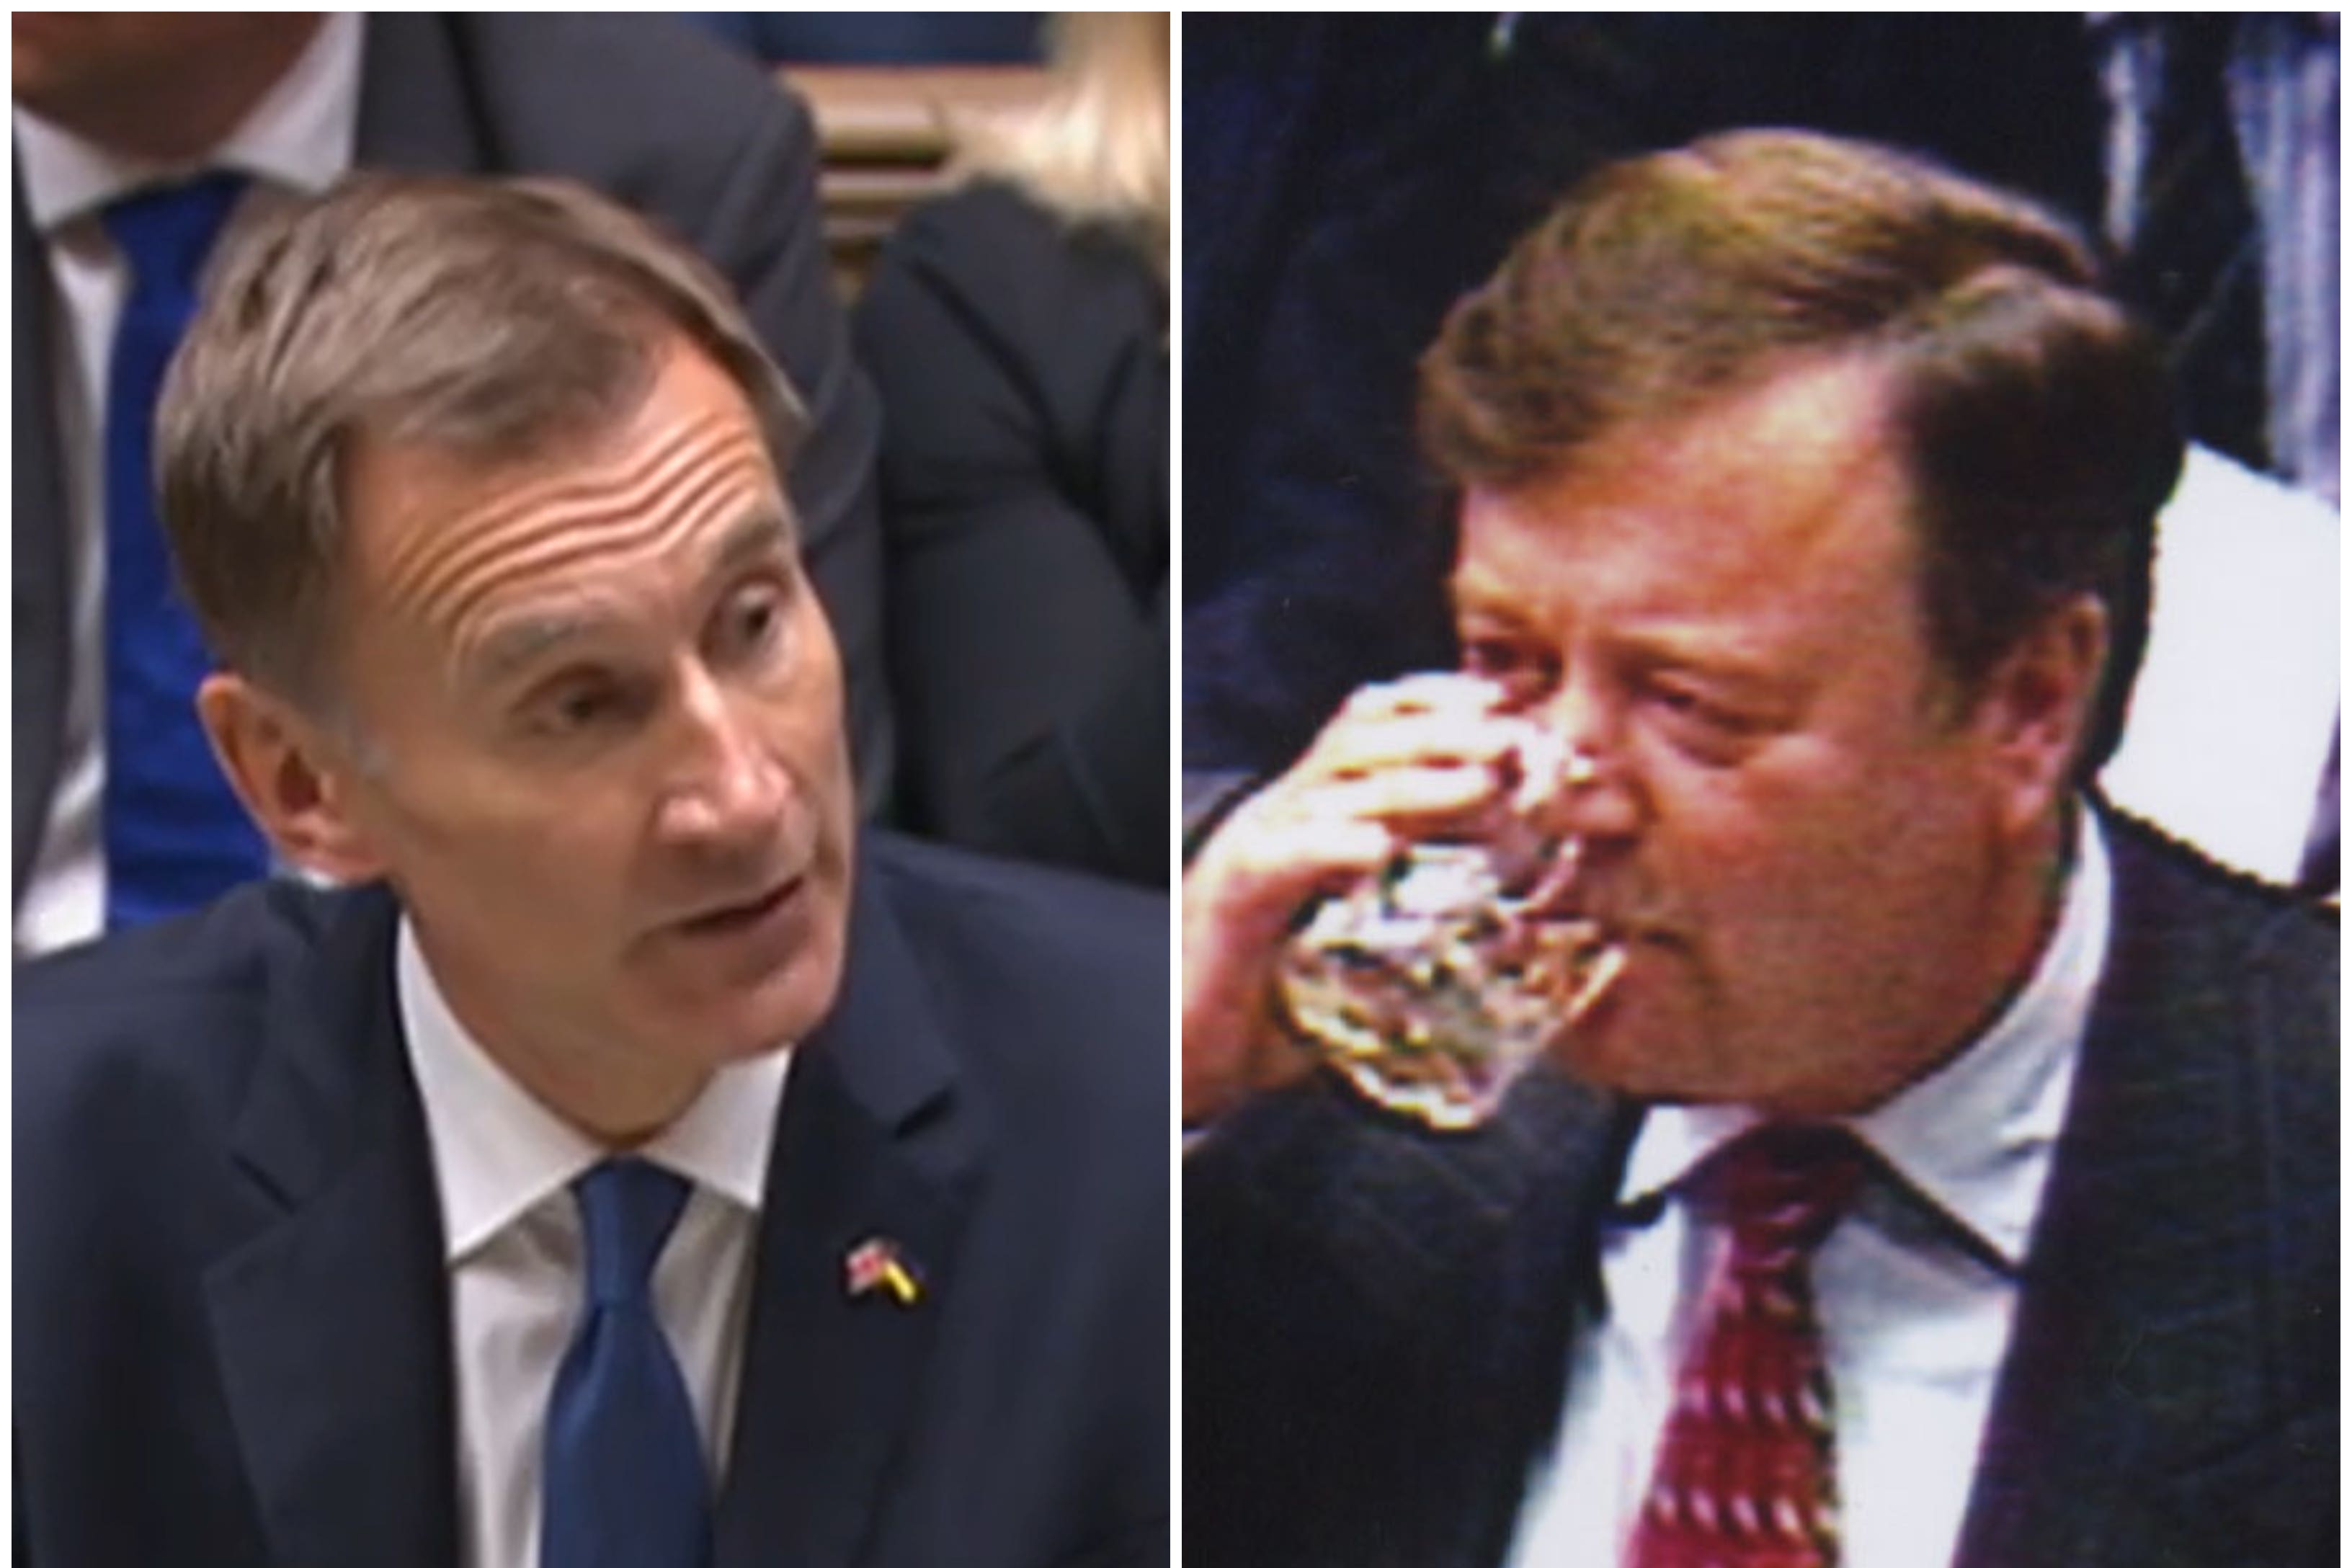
[1024,372]
[1378,1324]
[651,114]
[231,1310]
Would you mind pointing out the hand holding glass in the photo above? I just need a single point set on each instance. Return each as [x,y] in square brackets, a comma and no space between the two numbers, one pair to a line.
[1432,986]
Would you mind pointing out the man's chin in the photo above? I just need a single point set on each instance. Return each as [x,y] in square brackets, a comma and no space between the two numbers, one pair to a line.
[735,1022]
[1604,1045]
[1624,1048]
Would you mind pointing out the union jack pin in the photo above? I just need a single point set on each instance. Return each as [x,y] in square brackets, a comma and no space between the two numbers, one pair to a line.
[877,1264]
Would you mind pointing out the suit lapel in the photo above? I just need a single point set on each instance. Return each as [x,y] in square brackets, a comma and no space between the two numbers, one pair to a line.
[1458,1264]
[44,588]
[330,1327]
[2140,1320]
[873,1143]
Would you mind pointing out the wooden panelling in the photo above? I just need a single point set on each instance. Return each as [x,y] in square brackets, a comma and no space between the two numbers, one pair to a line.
[886,132]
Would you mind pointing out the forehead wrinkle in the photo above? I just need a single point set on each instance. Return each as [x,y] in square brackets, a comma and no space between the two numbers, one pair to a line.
[423,560]
[667,503]
[618,526]
[487,532]
[761,532]
[637,534]
[427,552]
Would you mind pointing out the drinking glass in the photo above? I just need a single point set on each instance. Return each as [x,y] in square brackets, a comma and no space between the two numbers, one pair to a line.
[1432,986]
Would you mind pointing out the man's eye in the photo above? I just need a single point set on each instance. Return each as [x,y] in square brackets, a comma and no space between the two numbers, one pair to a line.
[757,619]
[582,706]
[1494,657]
[1693,705]
[577,707]
[1681,700]
[1707,723]
[754,620]
[1523,671]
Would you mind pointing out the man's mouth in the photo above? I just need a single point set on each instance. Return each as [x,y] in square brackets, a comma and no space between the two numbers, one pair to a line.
[728,919]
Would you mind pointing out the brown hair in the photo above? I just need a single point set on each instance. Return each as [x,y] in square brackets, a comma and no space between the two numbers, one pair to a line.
[2038,416]
[487,319]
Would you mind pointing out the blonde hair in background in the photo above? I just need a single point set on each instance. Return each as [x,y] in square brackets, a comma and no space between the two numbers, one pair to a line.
[1095,149]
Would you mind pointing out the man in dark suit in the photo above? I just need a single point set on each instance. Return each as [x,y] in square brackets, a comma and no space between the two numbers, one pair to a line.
[635,1163]
[1949,1171]
[110,105]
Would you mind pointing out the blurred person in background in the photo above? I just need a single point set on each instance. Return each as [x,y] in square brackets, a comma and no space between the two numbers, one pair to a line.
[1017,329]
[136,137]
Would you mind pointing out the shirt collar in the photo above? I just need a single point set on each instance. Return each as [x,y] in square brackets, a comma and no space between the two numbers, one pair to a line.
[299,135]
[1976,1136]
[497,1152]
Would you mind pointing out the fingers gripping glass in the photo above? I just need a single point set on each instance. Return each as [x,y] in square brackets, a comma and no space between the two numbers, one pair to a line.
[1434,985]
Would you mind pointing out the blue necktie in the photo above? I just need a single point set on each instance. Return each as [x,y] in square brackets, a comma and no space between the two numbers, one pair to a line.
[626,1484]
[174,833]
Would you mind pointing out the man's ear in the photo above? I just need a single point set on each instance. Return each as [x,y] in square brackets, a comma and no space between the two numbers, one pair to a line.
[294,778]
[2036,707]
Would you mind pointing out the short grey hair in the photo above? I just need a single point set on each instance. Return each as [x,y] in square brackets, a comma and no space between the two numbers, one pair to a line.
[489,320]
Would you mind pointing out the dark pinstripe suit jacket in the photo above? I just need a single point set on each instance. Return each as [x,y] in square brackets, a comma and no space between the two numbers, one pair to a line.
[1378,1325]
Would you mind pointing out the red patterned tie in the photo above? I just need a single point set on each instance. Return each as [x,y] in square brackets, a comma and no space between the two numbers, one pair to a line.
[1745,1474]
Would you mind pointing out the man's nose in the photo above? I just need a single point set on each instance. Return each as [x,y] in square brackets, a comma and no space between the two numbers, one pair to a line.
[1578,779]
[726,785]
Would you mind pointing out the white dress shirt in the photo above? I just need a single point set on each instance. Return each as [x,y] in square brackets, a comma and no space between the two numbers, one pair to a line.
[299,138]
[1917,1290]
[504,1165]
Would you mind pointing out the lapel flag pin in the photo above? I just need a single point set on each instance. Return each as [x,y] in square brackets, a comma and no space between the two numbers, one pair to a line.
[877,1264]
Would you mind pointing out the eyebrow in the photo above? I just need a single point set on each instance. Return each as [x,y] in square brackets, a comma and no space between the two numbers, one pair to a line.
[1729,660]
[760,534]
[1469,593]
[518,644]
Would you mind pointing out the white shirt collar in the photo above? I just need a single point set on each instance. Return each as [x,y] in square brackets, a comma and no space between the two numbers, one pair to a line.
[497,1152]
[299,135]
[1977,1135]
